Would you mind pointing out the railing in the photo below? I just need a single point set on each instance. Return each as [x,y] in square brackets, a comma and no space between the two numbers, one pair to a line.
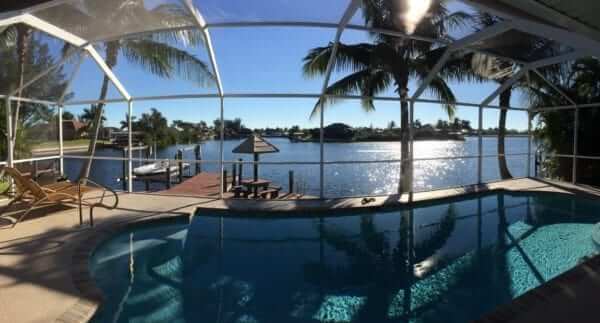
[306,186]
[305,173]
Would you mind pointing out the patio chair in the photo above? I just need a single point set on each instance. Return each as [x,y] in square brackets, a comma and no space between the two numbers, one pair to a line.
[61,193]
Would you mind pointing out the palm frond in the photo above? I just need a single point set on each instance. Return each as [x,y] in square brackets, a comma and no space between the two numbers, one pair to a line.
[367,83]
[458,20]
[166,61]
[440,90]
[187,37]
[348,58]
[8,37]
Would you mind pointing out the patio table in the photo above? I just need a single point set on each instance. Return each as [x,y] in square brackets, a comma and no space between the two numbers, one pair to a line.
[254,185]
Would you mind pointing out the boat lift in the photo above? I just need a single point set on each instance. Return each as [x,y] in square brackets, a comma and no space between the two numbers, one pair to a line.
[163,170]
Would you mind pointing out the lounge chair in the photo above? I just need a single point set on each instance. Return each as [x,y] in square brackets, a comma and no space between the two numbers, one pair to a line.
[61,193]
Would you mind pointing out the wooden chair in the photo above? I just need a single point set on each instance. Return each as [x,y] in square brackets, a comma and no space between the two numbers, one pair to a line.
[60,193]
[271,192]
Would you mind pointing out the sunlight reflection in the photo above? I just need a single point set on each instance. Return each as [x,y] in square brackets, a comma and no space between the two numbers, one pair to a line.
[341,308]
[410,13]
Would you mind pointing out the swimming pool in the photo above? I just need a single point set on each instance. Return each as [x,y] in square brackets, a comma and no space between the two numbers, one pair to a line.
[454,259]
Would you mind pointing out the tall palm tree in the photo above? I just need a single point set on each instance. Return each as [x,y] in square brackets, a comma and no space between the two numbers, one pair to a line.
[509,44]
[158,53]
[19,60]
[579,80]
[21,35]
[390,62]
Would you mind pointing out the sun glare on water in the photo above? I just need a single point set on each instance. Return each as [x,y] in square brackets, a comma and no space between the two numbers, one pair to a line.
[411,12]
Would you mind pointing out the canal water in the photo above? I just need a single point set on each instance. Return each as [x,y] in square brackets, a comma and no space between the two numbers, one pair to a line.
[340,179]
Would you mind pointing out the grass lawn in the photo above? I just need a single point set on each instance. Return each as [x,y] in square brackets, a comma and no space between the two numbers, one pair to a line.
[67,144]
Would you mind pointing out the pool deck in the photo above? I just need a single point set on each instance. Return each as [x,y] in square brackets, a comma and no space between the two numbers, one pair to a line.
[43,260]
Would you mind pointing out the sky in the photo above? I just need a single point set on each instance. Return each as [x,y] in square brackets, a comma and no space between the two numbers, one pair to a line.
[269,60]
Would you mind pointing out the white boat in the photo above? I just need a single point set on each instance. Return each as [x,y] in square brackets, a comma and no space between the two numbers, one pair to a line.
[159,167]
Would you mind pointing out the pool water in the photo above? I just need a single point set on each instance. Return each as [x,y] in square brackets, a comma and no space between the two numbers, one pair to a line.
[451,261]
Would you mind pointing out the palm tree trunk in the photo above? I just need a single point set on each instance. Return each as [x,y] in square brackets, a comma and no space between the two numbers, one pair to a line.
[404,151]
[503,167]
[112,52]
[23,38]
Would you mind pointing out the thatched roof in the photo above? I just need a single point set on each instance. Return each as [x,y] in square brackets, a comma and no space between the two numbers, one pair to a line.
[255,145]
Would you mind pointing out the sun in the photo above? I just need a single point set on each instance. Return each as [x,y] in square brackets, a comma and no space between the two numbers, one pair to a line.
[411,12]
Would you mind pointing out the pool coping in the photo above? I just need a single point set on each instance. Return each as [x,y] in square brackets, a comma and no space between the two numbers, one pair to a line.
[91,296]
[531,300]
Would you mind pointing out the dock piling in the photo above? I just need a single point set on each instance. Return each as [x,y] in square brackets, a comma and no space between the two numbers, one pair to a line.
[240,165]
[179,157]
[198,154]
[34,171]
[234,175]
[168,177]
[224,180]
[291,181]
[124,169]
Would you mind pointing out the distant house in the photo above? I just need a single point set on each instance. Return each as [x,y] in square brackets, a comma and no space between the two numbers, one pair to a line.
[338,131]
[121,138]
[73,129]
[106,133]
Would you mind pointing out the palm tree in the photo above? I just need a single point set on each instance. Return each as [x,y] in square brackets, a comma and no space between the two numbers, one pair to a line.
[125,123]
[579,80]
[89,114]
[155,127]
[157,53]
[21,35]
[391,62]
[37,58]
[512,44]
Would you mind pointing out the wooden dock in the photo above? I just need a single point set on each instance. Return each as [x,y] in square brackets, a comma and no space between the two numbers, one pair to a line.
[203,184]
[208,184]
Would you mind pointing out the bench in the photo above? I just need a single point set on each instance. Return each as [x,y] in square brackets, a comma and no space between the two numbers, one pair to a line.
[239,191]
[271,192]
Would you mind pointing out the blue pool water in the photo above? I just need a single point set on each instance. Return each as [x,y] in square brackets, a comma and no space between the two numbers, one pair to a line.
[450,261]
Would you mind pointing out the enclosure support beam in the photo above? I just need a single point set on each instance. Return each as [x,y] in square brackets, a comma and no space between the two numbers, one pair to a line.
[107,71]
[61,99]
[129,147]
[47,71]
[529,120]
[411,140]
[201,24]
[274,96]
[53,30]
[222,146]
[77,41]
[61,146]
[9,133]
[554,87]
[484,34]
[573,39]
[480,147]
[575,145]
[61,109]
[348,14]
[537,64]
[322,151]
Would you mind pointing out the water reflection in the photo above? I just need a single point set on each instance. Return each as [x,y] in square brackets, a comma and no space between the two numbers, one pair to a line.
[455,260]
